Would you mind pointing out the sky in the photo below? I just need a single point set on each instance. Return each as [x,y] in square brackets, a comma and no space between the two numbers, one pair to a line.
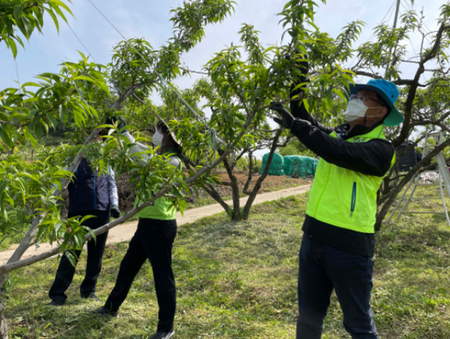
[149,19]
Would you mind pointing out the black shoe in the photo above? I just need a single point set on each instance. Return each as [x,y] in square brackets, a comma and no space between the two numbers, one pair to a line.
[55,302]
[91,296]
[163,335]
[104,311]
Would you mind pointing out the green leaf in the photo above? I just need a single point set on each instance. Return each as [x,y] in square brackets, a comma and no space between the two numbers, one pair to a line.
[59,12]
[63,114]
[52,120]
[55,19]
[29,26]
[3,185]
[6,137]
[80,240]
[72,259]
[340,94]
[63,5]
[86,217]
[91,232]
[31,84]
[84,77]
[12,45]
[17,12]
[38,131]
[58,226]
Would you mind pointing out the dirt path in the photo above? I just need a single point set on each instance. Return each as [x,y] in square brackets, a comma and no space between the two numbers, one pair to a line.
[125,231]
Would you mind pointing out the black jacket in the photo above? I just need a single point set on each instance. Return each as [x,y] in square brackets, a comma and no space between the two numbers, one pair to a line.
[370,158]
[91,192]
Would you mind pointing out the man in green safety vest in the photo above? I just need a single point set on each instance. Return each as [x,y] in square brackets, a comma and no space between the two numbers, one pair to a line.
[338,242]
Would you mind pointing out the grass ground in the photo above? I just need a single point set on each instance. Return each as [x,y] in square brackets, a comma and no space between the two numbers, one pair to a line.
[238,280]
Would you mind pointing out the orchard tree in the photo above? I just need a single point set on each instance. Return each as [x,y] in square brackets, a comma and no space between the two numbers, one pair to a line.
[243,80]
[424,97]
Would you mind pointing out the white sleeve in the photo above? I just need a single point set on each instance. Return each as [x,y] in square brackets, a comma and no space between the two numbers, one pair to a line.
[112,188]
[174,161]
[142,158]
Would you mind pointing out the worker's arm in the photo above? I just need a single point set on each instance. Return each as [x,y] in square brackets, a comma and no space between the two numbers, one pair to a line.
[298,110]
[113,195]
[138,149]
[132,139]
[371,158]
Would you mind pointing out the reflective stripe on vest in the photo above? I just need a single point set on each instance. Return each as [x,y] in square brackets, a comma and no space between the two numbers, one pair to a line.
[346,198]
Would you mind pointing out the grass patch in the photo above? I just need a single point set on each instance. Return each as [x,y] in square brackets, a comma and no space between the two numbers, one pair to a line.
[239,280]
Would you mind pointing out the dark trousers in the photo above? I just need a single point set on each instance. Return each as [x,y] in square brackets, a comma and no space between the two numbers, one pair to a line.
[322,269]
[153,240]
[65,272]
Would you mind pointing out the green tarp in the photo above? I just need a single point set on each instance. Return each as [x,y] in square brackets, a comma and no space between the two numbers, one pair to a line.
[301,167]
[287,163]
[276,166]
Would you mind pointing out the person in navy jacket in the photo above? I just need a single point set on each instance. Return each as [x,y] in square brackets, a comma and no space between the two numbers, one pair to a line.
[89,194]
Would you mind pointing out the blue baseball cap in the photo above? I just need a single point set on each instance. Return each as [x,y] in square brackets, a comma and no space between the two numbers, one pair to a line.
[389,92]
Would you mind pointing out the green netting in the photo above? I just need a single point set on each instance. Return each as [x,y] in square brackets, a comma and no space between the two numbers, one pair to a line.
[288,161]
[276,166]
[302,167]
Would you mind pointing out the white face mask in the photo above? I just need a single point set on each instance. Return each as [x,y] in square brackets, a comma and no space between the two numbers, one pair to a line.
[157,139]
[356,109]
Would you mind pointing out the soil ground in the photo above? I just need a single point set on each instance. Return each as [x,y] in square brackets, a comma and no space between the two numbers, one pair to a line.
[270,183]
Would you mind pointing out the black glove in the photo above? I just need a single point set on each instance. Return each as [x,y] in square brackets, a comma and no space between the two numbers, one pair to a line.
[286,117]
[115,213]
[113,120]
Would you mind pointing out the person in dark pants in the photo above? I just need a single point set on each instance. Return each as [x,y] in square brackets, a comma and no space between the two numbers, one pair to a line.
[153,240]
[89,194]
[338,241]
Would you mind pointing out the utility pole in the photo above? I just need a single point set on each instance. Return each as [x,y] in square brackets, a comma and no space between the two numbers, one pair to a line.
[394,27]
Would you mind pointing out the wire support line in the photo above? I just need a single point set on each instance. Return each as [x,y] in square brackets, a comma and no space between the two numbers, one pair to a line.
[425,28]
[76,36]
[17,74]
[389,11]
[164,82]
[107,20]
[213,139]
[410,40]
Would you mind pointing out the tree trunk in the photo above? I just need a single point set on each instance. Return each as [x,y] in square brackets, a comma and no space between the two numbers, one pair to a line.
[258,184]
[216,196]
[250,172]
[236,212]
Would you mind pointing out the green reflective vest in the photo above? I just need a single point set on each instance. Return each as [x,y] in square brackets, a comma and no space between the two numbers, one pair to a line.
[345,198]
[162,208]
